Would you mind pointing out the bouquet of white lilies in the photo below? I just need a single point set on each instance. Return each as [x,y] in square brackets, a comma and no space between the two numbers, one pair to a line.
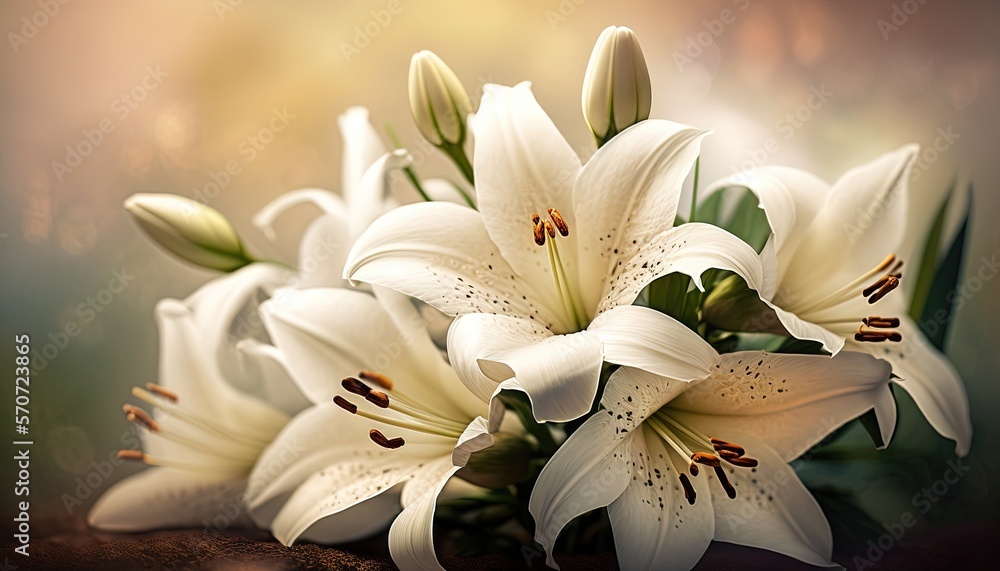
[547,336]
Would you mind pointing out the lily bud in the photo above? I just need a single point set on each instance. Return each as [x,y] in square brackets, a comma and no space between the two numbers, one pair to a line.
[616,89]
[190,230]
[503,463]
[733,306]
[438,101]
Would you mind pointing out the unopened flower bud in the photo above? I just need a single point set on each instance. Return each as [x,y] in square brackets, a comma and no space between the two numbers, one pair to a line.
[190,230]
[438,101]
[616,89]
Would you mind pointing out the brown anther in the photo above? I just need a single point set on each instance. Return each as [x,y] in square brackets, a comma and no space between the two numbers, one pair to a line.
[743,462]
[720,445]
[693,468]
[131,455]
[380,439]
[378,398]
[727,454]
[881,322]
[538,229]
[891,283]
[877,336]
[871,289]
[345,404]
[689,493]
[549,229]
[139,416]
[706,459]
[730,490]
[355,386]
[559,221]
[376,378]
[165,393]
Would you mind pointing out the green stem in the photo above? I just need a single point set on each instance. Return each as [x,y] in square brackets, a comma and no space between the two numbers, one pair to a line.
[457,154]
[694,189]
[410,173]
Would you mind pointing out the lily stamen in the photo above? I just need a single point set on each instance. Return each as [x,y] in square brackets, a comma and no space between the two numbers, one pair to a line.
[689,493]
[377,378]
[165,393]
[414,423]
[559,222]
[887,270]
[881,322]
[720,473]
[720,444]
[139,416]
[380,439]
[884,286]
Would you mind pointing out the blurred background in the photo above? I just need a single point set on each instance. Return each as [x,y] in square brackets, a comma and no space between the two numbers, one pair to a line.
[104,99]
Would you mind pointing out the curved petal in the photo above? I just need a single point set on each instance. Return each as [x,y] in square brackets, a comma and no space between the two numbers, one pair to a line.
[626,194]
[304,447]
[334,489]
[523,166]
[370,199]
[411,537]
[164,498]
[862,220]
[267,364]
[654,525]
[476,437]
[689,249]
[356,522]
[799,328]
[931,380]
[441,254]
[325,200]
[790,198]
[792,402]
[323,252]
[225,311]
[772,510]
[647,339]
[589,471]
[329,334]
[559,373]
[362,146]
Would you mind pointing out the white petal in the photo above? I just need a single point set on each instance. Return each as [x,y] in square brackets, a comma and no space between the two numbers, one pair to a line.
[523,166]
[633,394]
[790,198]
[164,498]
[186,369]
[411,537]
[559,373]
[931,380]
[647,339]
[225,310]
[441,254]
[792,402]
[588,471]
[862,221]
[476,437]
[329,334]
[333,490]
[689,249]
[654,525]
[267,364]
[323,252]
[356,522]
[304,447]
[772,509]
[325,200]
[370,199]
[798,327]
[362,146]
[626,194]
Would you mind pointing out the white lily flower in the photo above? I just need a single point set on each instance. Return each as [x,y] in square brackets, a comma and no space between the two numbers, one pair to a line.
[540,274]
[833,251]
[409,426]
[671,458]
[204,433]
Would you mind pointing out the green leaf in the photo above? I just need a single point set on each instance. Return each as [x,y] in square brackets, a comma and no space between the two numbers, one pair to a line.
[710,209]
[746,220]
[935,319]
[928,260]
